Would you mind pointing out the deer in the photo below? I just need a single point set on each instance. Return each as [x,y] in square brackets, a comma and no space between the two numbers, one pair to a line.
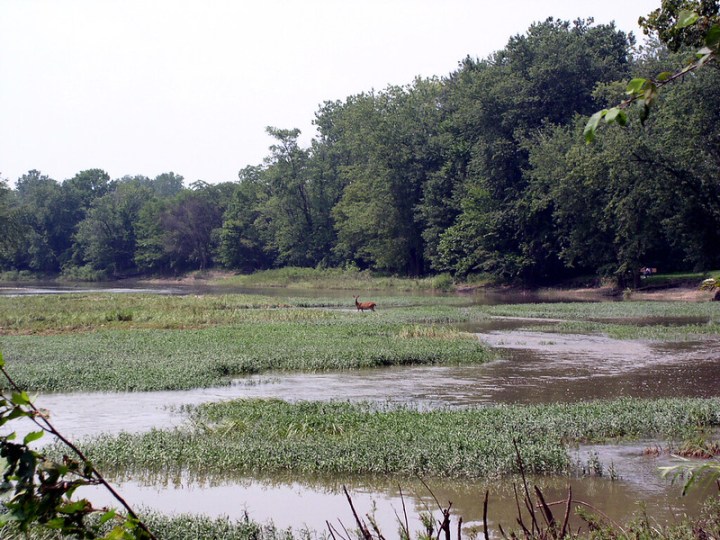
[362,306]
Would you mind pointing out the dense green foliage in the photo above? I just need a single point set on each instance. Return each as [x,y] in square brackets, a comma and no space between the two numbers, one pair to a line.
[482,171]
[341,438]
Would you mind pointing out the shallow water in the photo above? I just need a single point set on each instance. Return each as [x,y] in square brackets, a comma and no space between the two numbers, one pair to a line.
[312,502]
[200,287]
[538,368]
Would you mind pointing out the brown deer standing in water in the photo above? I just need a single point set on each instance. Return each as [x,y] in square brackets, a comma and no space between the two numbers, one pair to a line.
[362,306]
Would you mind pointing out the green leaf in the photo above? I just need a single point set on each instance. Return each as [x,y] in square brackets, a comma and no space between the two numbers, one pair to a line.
[612,115]
[7,518]
[644,110]
[712,38]
[622,118]
[82,505]
[2,360]
[686,18]
[20,398]
[704,59]
[118,533]
[650,93]
[17,412]
[592,125]
[33,436]
[56,523]
[107,516]
[635,87]
[664,76]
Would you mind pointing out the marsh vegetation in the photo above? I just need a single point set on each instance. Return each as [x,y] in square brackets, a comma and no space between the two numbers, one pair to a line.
[108,342]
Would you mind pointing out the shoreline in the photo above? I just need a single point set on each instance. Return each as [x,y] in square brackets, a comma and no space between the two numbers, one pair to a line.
[681,291]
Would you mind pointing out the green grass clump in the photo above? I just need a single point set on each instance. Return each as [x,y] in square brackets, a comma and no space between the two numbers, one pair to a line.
[333,278]
[677,277]
[609,311]
[122,360]
[660,321]
[265,436]
[658,332]
[72,313]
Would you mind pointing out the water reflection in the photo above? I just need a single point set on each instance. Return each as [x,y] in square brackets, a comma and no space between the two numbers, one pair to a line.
[52,287]
[202,287]
[310,502]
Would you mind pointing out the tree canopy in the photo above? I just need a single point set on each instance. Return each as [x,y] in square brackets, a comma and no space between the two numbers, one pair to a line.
[484,170]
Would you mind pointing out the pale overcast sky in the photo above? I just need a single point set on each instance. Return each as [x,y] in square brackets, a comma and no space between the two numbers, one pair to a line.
[151,86]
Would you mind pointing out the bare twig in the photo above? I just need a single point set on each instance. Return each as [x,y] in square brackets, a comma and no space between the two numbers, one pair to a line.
[527,499]
[520,520]
[361,524]
[485,510]
[330,530]
[547,513]
[407,524]
[566,519]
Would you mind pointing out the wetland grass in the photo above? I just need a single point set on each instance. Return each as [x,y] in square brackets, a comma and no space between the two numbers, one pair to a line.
[152,342]
[268,436]
[73,313]
[650,332]
[609,311]
[144,359]
[333,278]
[657,321]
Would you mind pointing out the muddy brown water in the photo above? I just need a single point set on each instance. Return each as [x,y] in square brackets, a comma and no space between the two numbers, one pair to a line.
[296,503]
[537,367]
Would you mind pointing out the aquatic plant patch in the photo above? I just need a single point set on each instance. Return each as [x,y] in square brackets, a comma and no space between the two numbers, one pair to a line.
[121,360]
[181,527]
[264,436]
[657,321]
[332,278]
[609,311]
[652,332]
[72,313]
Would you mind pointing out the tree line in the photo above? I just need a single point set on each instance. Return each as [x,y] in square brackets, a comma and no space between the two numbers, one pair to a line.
[485,170]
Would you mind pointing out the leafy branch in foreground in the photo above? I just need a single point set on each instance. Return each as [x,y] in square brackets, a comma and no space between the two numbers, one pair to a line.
[693,472]
[644,92]
[41,490]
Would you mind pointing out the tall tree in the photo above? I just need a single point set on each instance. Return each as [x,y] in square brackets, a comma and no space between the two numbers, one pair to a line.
[242,244]
[289,207]
[47,221]
[384,143]
[107,238]
[495,105]
[188,226]
[11,227]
